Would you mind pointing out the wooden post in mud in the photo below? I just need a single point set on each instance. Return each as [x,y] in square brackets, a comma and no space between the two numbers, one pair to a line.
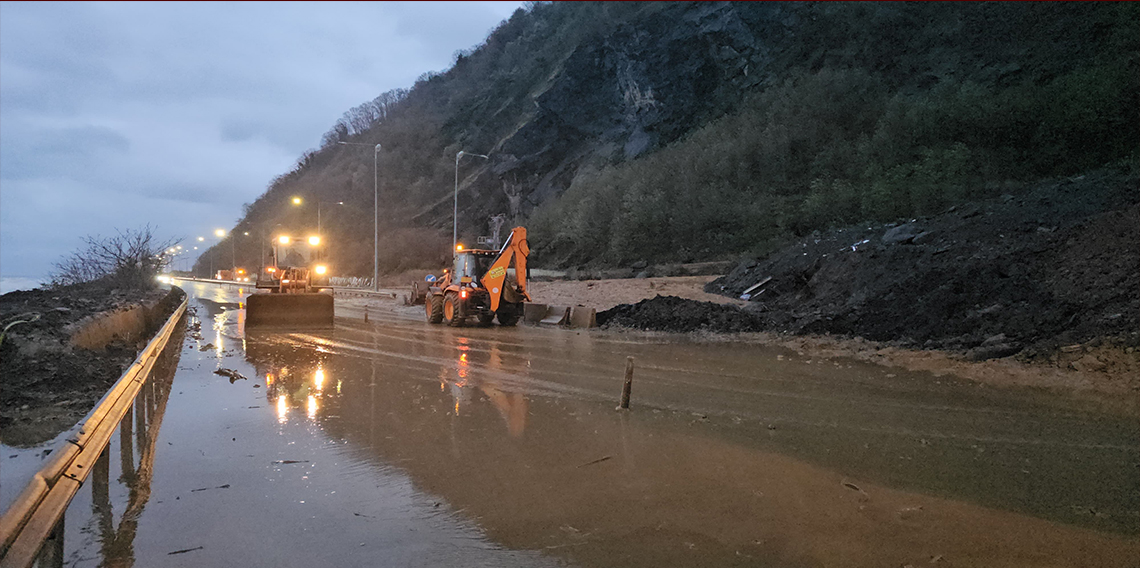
[628,383]
[365,314]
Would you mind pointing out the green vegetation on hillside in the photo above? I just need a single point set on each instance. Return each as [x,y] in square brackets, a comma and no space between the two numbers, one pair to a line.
[835,147]
[689,131]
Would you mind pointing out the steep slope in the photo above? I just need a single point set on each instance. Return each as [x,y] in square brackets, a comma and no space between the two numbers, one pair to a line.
[683,131]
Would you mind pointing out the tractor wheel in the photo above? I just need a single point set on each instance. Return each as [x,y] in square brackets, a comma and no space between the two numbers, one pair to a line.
[433,306]
[509,313]
[452,311]
[485,318]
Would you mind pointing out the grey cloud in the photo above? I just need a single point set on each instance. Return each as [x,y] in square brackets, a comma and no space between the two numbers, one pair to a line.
[62,151]
[117,113]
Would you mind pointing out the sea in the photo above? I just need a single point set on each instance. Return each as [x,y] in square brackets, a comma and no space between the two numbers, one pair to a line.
[13,283]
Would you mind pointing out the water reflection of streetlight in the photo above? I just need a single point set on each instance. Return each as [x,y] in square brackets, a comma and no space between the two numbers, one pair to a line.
[312,407]
[282,409]
[319,378]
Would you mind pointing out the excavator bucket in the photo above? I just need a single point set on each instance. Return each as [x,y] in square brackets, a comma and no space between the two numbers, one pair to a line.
[289,311]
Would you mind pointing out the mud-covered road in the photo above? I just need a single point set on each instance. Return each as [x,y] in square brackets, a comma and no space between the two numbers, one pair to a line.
[396,443]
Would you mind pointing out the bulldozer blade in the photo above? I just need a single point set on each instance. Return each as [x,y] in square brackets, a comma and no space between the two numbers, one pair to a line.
[290,311]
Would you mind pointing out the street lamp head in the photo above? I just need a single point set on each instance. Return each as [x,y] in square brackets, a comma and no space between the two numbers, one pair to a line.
[200,239]
[220,233]
[296,201]
[246,233]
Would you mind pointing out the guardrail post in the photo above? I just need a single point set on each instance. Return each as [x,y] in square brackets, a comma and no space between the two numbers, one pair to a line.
[140,423]
[51,554]
[101,495]
[148,388]
[126,445]
[101,480]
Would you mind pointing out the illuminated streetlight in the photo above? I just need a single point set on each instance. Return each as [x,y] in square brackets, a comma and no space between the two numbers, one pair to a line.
[455,211]
[375,215]
[296,201]
[200,239]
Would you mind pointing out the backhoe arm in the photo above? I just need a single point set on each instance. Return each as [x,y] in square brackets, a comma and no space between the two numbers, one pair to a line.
[517,249]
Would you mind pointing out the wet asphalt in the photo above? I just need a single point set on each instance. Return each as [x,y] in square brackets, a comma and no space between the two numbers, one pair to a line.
[398,443]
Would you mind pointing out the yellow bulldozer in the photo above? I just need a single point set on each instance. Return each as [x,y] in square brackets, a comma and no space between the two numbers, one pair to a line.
[290,286]
[481,284]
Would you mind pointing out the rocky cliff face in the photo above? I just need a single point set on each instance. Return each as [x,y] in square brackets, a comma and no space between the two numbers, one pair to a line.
[562,93]
[619,96]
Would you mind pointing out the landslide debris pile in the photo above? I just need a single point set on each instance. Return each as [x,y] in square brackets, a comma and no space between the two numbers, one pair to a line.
[1056,265]
[670,313]
[49,384]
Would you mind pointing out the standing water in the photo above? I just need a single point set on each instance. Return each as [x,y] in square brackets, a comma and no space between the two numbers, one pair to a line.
[396,443]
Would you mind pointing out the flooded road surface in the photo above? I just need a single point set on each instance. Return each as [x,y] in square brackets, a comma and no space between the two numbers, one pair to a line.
[396,443]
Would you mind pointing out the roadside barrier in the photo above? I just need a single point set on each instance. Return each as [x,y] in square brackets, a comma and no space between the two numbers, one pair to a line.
[36,516]
[572,316]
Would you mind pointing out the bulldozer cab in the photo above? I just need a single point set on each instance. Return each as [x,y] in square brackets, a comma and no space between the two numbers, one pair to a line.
[296,251]
[295,255]
[294,277]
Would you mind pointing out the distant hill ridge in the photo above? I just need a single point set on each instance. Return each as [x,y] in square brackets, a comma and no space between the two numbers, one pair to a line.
[694,131]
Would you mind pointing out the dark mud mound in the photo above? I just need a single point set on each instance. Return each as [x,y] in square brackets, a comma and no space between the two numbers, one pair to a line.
[48,384]
[1058,264]
[670,313]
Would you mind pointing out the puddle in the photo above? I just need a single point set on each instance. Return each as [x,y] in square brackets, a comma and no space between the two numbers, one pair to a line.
[404,444]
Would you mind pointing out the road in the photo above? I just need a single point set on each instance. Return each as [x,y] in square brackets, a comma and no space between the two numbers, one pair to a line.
[396,443]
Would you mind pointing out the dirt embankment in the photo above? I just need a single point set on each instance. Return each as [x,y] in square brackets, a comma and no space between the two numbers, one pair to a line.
[1050,276]
[49,384]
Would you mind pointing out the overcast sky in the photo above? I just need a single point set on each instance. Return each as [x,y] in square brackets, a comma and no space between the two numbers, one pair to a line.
[117,115]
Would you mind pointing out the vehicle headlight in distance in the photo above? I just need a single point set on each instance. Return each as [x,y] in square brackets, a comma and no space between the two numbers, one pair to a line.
[321,269]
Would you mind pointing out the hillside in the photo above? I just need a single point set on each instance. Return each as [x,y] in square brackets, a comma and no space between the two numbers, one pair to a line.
[681,132]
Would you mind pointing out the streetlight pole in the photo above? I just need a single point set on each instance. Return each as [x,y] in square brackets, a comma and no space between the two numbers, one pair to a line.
[455,205]
[375,214]
[319,233]
[221,234]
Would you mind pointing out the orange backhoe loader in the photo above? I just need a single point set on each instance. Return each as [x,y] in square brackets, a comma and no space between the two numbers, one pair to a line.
[481,283]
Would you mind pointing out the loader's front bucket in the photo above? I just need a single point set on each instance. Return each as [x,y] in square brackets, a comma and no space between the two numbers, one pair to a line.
[289,311]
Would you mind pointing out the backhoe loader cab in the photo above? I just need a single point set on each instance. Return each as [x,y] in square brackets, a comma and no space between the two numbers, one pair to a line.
[483,284]
[294,276]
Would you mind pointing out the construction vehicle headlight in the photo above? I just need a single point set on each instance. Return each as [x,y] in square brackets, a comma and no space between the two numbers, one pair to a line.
[284,280]
[271,269]
[284,240]
[314,241]
[321,269]
[458,248]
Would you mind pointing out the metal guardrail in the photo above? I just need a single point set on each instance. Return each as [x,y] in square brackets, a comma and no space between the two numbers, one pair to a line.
[37,512]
